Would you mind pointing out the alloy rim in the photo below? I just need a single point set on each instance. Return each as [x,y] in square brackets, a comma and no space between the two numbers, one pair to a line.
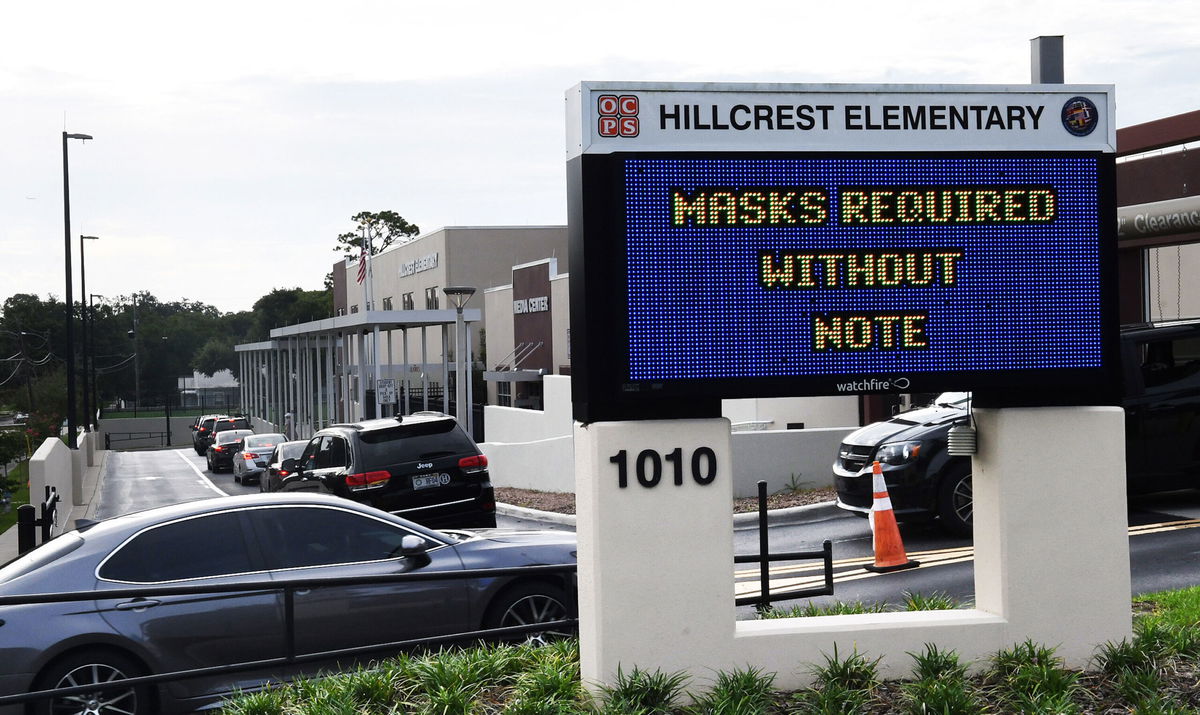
[963,500]
[537,608]
[109,702]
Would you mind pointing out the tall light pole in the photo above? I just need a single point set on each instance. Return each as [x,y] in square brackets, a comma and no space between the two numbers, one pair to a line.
[87,358]
[167,396]
[459,295]
[72,423]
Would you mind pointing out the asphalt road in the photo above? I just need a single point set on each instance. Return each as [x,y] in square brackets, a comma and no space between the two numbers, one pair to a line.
[1164,545]
[144,479]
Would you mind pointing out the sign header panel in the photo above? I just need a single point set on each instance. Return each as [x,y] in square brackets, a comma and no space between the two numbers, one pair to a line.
[686,117]
[760,272]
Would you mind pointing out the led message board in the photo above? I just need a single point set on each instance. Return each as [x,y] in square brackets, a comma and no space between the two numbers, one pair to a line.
[750,271]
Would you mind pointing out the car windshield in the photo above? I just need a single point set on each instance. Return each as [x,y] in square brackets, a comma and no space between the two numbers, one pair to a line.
[231,436]
[954,399]
[263,440]
[291,450]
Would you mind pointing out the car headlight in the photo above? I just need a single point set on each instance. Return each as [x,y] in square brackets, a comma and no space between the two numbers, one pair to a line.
[897,453]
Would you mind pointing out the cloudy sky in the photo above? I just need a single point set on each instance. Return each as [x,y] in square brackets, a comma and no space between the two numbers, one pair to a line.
[234,140]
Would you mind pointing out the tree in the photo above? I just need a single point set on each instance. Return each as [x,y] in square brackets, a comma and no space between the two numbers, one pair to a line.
[216,355]
[383,229]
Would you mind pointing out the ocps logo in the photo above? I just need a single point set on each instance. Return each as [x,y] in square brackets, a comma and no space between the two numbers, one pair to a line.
[618,115]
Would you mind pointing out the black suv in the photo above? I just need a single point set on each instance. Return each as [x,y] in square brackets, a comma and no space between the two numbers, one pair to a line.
[1161,387]
[422,466]
[202,432]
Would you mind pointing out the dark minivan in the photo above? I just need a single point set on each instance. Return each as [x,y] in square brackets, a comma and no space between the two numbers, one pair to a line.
[422,466]
[1161,396]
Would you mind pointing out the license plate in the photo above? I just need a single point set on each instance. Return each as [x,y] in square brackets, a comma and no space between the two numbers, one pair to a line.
[425,481]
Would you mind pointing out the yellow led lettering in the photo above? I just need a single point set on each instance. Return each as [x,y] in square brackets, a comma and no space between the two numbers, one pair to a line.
[829,262]
[682,210]
[860,270]
[909,207]
[827,335]
[947,260]
[986,203]
[722,208]
[854,205]
[812,207]
[889,270]
[1041,205]
[1013,206]
[859,332]
[918,269]
[913,331]
[752,208]
[770,275]
[805,275]
[962,205]
[778,203]
[881,207]
[938,206]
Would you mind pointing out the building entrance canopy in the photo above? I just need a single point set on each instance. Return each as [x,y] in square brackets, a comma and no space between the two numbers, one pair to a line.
[313,374]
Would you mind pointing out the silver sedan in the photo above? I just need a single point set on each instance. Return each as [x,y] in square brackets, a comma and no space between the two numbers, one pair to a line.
[250,463]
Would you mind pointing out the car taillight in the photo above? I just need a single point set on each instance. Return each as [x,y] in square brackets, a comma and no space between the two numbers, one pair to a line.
[249,455]
[284,472]
[366,480]
[203,429]
[218,448]
[470,465]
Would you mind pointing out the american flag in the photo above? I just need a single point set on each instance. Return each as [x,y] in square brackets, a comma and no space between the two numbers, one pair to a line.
[362,264]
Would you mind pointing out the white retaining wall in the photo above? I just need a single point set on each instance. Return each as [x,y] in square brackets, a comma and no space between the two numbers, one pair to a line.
[654,588]
[54,464]
[534,449]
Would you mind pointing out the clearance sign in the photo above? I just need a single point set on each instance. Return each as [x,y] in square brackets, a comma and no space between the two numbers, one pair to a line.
[788,240]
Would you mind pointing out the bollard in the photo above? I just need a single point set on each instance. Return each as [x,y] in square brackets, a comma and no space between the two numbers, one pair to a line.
[26,536]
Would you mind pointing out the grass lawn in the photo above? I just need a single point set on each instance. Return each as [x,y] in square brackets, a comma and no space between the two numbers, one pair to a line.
[1156,673]
[19,473]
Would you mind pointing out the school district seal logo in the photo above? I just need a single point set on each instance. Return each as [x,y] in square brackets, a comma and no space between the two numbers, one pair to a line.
[1080,116]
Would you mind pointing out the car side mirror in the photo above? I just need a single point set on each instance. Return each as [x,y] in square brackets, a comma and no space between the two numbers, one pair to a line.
[411,545]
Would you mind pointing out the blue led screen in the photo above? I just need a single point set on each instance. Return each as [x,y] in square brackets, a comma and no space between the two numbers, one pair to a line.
[849,265]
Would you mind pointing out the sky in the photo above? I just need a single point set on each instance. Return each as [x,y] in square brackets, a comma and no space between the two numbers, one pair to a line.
[234,140]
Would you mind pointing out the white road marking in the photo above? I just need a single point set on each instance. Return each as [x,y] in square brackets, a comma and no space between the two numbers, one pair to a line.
[203,479]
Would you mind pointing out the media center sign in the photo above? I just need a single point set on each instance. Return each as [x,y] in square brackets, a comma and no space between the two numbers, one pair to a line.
[795,240]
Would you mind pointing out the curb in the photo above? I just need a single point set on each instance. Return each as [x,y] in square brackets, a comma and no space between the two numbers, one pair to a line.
[791,515]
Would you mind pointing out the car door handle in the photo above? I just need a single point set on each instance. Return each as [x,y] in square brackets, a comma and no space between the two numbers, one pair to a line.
[137,604]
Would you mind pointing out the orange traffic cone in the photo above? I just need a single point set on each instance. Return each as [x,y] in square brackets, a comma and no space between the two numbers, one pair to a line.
[889,549]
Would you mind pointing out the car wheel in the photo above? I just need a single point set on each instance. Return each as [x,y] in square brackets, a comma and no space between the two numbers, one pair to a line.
[90,668]
[211,468]
[956,503]
[236,477]
[529,603]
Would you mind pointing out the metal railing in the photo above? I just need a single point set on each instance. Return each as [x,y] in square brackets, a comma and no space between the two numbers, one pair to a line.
[116,438]
[28,522]
[764,558]
[288,589]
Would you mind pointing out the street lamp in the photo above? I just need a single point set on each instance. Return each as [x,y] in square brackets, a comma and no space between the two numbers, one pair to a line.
[87,358]
[167,396]
[71,420]
[459,295]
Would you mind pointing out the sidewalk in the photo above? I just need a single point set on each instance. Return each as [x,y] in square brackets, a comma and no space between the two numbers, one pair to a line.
[67,513]
[775,517]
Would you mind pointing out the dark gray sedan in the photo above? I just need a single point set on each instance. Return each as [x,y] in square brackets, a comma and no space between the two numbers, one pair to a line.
[247,539]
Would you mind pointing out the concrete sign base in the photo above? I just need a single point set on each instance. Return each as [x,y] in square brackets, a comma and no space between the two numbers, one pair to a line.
[656,566]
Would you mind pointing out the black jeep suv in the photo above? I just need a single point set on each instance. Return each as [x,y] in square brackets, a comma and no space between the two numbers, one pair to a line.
[422,466]
[1161,395]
